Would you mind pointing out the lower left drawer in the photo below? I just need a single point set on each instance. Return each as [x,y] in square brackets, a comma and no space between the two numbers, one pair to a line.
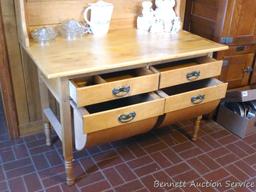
[118,113]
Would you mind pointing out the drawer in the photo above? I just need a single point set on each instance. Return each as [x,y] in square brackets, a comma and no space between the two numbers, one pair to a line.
[236,50]
[97,89]
[187,71]
[187,113]
[192,94]
[119,112]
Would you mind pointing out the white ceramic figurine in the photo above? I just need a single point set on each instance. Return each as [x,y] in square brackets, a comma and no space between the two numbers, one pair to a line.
[163,19]
[165,13]
[144,22]
[176,25]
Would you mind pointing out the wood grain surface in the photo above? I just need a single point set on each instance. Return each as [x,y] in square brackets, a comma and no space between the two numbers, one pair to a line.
[6,91]
[214,90]
[96,93]
[118,50]
[144,110]
[48,12]
[174,75]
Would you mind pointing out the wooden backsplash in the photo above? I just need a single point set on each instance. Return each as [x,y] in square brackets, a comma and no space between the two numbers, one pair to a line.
[54,12]
[49,12]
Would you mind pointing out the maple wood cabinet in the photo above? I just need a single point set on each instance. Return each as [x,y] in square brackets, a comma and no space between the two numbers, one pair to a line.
[232,22]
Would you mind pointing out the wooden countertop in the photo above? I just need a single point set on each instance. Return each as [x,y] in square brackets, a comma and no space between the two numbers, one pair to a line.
[119,49]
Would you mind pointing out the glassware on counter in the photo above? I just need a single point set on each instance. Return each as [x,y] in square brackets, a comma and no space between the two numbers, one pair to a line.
[44,35]
[72,29]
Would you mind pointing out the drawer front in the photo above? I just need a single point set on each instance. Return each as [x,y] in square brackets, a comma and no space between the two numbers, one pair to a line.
[188,113]
[195,97]
[185,74]
[122,116]
[236,50]
[114,90]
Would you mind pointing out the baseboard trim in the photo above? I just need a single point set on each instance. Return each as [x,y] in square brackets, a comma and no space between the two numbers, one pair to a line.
[31,128]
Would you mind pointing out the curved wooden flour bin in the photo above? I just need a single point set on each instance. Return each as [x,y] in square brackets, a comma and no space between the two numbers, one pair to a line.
[184,80]
[118,119]
[191,100]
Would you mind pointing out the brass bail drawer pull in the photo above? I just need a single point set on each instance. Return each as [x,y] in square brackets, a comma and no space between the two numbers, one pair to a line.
[125,118]
[193,75]
[121,91]
[198,99]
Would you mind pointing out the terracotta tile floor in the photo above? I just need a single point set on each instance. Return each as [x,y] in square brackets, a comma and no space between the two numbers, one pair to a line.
[134,164]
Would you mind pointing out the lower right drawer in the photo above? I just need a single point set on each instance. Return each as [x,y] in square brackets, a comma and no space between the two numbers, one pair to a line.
[192,99]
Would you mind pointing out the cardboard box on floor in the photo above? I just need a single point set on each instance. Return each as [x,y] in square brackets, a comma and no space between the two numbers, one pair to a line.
[241,126]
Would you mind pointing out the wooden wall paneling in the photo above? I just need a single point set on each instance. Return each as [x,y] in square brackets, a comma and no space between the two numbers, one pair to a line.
[15,63]
[32,88]
[6,86]
[23,75]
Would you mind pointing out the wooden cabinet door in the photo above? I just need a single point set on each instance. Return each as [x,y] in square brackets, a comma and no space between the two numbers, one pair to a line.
[240,19]
[226,21]
[237,70]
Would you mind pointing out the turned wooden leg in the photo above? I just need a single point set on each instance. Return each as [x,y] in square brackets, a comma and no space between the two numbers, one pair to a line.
[44,97]
[67,133]
[69,172]
[47,132]
[196,128]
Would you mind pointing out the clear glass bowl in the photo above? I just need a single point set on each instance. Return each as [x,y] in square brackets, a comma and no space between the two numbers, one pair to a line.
[44,35]
[72,29]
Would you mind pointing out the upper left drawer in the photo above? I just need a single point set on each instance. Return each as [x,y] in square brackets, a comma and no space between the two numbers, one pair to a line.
[111,86]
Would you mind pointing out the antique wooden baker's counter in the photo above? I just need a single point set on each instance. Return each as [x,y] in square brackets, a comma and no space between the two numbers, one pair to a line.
[124,84]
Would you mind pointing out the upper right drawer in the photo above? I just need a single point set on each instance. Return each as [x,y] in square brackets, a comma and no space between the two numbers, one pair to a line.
[185,71]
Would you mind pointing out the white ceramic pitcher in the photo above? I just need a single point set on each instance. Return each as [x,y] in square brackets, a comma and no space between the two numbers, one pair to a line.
[101,14]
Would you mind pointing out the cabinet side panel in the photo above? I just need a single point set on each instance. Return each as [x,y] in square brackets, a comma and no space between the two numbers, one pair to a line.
[21,22]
